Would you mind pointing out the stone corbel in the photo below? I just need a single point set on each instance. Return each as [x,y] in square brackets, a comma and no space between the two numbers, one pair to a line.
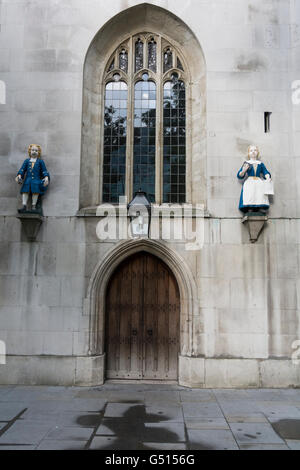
[255,225]
[31,224]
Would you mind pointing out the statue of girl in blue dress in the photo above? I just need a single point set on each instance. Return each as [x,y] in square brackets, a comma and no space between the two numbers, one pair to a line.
[35,178]
[254,194]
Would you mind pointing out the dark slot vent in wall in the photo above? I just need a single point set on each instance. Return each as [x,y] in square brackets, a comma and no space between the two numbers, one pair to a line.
[267,119]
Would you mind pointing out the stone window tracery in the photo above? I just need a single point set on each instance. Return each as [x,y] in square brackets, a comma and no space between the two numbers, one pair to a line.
[139,54]
[144,121]
[152,55]
[168,59]
[123,60]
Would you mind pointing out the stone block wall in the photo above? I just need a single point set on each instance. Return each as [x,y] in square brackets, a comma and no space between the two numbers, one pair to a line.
[248,294]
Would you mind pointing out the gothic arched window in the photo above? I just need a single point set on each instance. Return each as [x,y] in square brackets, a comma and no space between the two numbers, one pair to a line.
[145,121]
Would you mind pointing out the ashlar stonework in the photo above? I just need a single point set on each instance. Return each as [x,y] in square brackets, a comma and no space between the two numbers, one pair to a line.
[239,301]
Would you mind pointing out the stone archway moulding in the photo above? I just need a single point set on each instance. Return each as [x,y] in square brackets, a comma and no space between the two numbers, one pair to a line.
[133,20]
[95,301]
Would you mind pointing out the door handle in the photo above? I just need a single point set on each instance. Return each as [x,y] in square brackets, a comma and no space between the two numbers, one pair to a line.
[150,332]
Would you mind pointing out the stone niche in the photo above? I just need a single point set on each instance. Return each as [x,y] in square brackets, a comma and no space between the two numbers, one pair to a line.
[141,18]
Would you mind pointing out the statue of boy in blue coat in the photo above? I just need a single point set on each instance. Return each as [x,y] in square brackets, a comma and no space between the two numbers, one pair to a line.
[35,178]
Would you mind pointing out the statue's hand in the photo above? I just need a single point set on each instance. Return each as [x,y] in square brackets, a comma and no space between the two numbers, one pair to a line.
[244,169]
[46,181]
[18,179]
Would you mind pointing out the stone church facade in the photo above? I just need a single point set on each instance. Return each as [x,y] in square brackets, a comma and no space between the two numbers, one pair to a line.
[77,309]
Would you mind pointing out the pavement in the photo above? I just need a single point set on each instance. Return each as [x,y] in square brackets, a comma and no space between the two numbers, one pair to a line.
[148,416]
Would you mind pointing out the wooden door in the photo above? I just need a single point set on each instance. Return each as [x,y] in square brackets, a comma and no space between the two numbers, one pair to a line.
[142,320]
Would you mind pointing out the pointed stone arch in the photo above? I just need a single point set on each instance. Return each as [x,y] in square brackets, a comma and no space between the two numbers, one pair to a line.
[95,301]
[142,17]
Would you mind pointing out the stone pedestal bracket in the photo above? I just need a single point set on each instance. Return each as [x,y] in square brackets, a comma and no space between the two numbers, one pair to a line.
[255,225]
[31,224]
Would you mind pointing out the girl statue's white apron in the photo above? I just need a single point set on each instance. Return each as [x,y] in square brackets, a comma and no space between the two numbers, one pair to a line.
[253,194]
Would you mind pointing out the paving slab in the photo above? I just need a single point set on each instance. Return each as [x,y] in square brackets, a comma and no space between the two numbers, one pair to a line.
[230,394]
[17,447]
[148,416]
[290,395]
[164,432]
[70,433]
[206,423]
[294,403]
[211,440]
[293,444]
[286,428]
[49,444]
[91,404]
[163,446]
[42,388]
[125,410]
[4,390]
[25,433]
[114,443]
[263,447]
[278,410]
[38,416]
[121,427]
[87,419]
[30,396]
[247,418]
[255,433]
[238,407]
[266,395]
[74,404]
[66,418]
[98,394]
[162,396]
[199,410]
[9,411]
[125,397]
[196,396]
[33,393]
[165,412]
[139,430]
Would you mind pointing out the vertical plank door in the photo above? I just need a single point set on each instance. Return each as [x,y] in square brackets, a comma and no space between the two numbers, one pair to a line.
[142,320]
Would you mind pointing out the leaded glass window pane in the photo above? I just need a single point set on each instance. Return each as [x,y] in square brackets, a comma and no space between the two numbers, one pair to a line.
[168,60]
[143,156]
[152,55]
[174,130]
[123,60]
[144,137]
[139,56]
[114,154]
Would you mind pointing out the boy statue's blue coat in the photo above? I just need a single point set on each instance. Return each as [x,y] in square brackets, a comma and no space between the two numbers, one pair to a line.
[34,175]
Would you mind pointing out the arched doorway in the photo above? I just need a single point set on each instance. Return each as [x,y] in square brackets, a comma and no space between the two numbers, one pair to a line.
[142,328]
